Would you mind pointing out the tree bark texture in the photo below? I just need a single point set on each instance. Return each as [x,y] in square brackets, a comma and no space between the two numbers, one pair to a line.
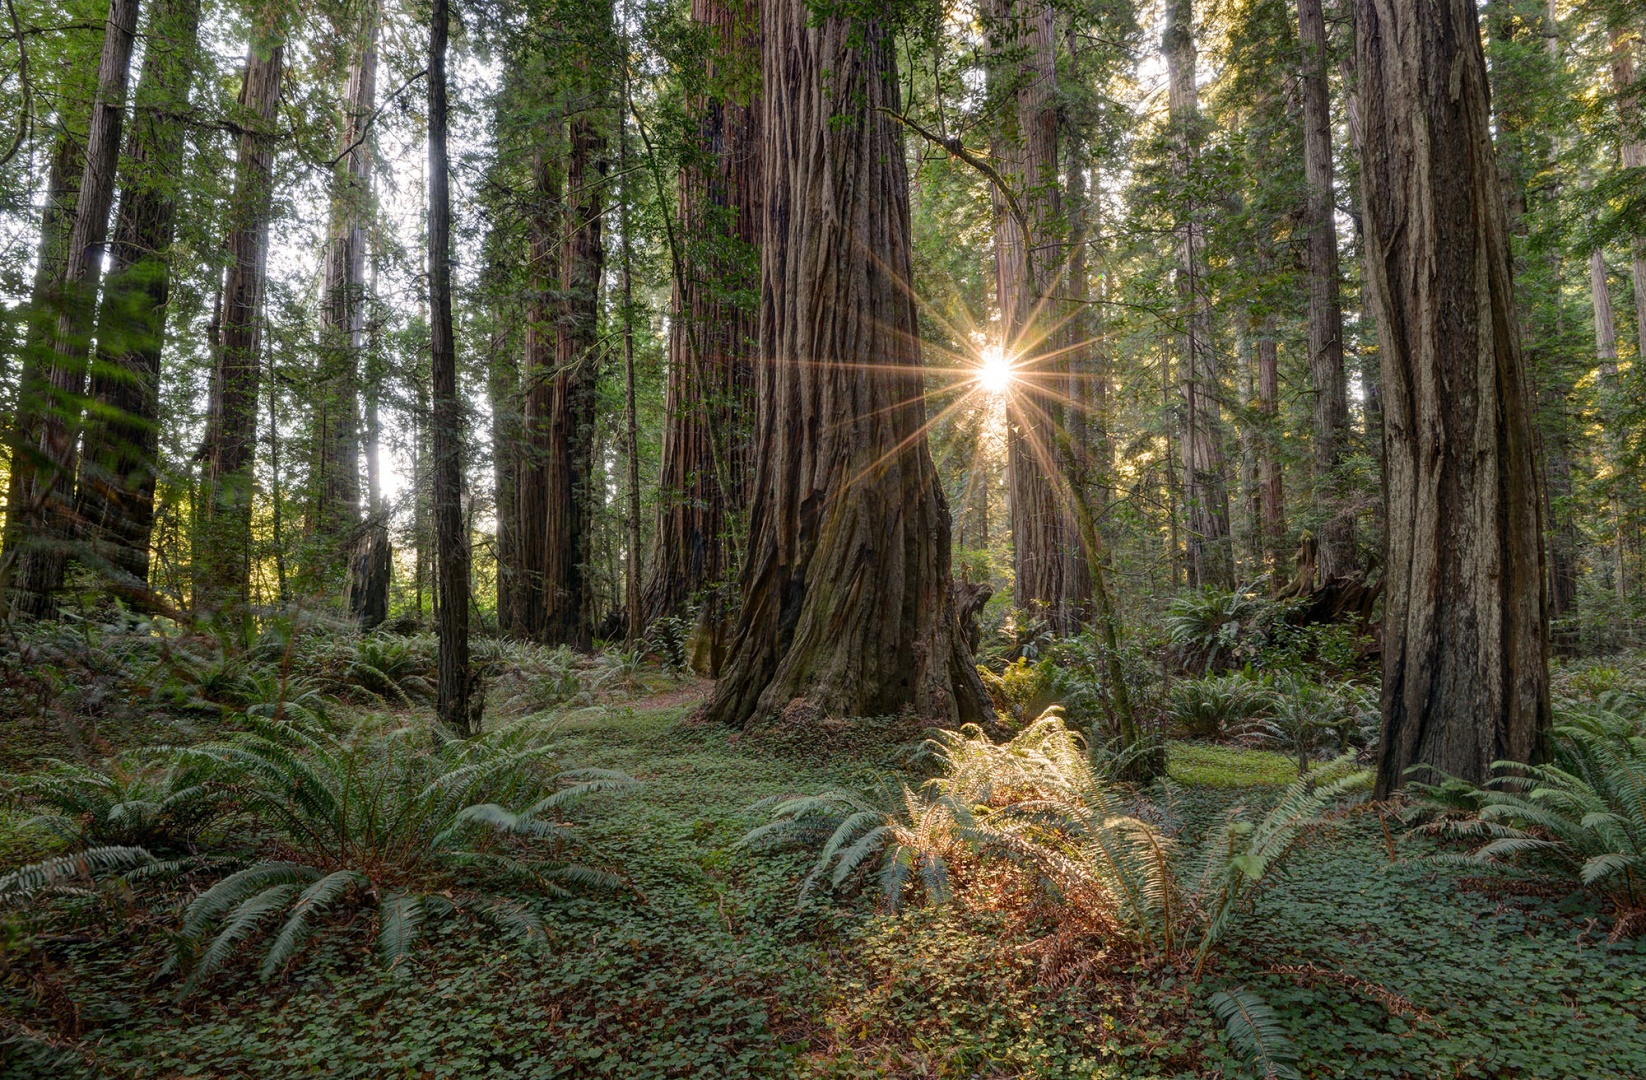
[543,229]
[1208,546]
[707,449]
[1465,630]
[446,418]
[1336,550]
[569,519]
[118,465]
[51,521]
[847,607]
[223,539]
[334,518]
[23,428]
[1049,575]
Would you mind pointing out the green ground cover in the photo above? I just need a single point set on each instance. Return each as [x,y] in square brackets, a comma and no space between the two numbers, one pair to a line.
[708,968]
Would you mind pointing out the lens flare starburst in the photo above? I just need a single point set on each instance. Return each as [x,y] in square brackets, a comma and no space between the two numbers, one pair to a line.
[994,370]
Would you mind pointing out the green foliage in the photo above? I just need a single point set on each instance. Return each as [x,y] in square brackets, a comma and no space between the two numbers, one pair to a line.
[1257,1032]
[398,822]
[668,638]
[1203,765]
[1034,804]
[1022,690]
[1210,707]
[1305,716]
[1580,819]
[132,802]
[1214,630]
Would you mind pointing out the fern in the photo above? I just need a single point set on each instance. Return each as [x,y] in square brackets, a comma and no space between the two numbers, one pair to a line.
[27,882]
[1256,1032]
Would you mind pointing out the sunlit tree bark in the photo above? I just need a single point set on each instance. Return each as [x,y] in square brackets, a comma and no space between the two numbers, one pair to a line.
[847,608]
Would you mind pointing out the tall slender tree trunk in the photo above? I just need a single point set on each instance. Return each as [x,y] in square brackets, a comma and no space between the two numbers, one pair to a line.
[1049,576]
[51,522]
[543,229]
[222,550]
[23,428]
[503,389]
[1335,553]
[567,573]
[1271,477]
[706,465]
[1624,38]
[118,466]
[635,611]
[847,607]
[1600,298]
[1210,552]
[1465,631]
[450,534]
[334,516]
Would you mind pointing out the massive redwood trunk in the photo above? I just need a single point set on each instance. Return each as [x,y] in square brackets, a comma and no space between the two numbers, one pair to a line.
[118,464]
[1335,553]
[1465,630]
[334,516]
[1208,545]
[702,490]
[222,549]
[1027,271]
[846,597]
[456,699]
[49,519]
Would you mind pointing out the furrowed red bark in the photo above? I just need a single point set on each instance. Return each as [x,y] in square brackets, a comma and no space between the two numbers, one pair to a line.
[1465,630]
[333,518]
[1050,578]
[23,428]
[847,608]
[567,592]
[703,486]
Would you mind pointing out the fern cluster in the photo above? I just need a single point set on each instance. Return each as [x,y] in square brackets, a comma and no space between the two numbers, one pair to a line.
[400,825]
[1581,818]
[1036,805]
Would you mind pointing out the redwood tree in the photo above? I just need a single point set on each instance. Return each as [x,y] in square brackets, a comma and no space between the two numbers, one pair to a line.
[446,417]
[846,607]
[1023,38]
[222,547]
[702,489]
[50,517]
[118,466]
[1335,553]
[1465,630]
[1210,554]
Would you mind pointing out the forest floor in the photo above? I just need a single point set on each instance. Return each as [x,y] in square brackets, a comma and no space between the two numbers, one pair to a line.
[710,969]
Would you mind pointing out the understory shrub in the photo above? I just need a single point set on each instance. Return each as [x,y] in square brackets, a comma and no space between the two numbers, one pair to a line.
[395,824]
[1579,820]
[1035,809]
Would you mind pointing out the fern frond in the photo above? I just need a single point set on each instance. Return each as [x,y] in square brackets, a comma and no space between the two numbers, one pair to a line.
[1255,1031]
